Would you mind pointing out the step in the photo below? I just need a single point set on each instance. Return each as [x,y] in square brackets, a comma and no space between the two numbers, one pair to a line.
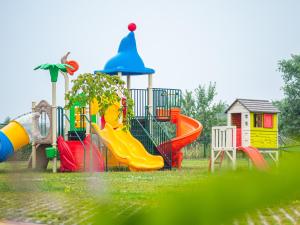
[72,136]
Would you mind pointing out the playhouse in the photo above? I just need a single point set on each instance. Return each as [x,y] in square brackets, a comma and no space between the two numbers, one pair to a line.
[252,128]
[256,123]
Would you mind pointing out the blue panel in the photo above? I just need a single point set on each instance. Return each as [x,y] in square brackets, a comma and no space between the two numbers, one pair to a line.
[6,147]
[127,60]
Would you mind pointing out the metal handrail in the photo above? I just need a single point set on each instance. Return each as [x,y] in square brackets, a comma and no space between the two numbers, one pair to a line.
[164,98]
[163,137]
[159,124]
[19,116]
[85,116]
[82,143]
[146,132]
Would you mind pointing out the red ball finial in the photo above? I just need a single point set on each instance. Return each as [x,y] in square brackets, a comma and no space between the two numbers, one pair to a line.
[132,27]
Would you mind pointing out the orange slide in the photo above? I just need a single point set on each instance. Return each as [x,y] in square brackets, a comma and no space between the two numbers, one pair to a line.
[256,157]
[187,131]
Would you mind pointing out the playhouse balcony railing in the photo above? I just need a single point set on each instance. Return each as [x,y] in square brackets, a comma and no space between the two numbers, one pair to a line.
[163,99]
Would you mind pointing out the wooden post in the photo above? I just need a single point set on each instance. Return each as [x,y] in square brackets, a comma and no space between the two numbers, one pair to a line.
[54,169]
[33,152]
[120,95]
[128,82]
[67,124]
[233,135]
[88,128]
[87,124]
[150,93]
[150,100]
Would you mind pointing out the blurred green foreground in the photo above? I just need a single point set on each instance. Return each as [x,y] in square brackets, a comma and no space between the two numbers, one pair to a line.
[189,196]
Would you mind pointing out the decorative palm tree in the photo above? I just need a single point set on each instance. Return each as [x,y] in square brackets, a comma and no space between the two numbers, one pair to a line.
[54,70]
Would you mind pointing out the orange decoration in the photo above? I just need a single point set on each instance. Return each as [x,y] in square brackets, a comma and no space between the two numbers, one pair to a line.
[75,66]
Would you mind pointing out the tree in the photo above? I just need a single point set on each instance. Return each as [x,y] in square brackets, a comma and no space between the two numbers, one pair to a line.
[106,89]
[290,105]
[188,103]
[200,105]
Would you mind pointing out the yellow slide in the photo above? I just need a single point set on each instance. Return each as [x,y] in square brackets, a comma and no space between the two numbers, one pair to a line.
[128,150]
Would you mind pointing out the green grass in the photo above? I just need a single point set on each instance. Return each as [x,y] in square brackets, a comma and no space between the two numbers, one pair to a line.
[122,189]
[74,198]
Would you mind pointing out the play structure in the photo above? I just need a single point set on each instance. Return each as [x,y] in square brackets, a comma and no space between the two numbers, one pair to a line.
[83,141]
[252,128]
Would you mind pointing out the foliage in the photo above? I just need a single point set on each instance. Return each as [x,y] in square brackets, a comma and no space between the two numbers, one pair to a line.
[200,104]
[217,199]
[105,89]
[54,69]
[290,105]
[188,103]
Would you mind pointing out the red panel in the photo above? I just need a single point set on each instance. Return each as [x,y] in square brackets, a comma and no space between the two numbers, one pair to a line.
[72,155]
[238,137]
[256,157]
[268,120]
[236,120]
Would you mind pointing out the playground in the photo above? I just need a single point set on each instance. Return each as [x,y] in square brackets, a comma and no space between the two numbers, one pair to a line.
[114,153]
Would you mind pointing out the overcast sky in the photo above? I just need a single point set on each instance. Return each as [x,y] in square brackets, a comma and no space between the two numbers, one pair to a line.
[236,44]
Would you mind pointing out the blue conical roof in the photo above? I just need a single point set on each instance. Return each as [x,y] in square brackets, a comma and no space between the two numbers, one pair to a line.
[128,60]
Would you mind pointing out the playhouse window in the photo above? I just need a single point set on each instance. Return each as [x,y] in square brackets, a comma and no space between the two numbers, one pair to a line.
[258,120]
[268,121]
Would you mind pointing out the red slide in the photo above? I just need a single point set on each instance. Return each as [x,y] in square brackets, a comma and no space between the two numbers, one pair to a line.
[72,156]
[257,159]
[187,131]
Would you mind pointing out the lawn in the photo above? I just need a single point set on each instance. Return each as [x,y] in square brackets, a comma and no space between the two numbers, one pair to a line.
[69,197]
[74,198]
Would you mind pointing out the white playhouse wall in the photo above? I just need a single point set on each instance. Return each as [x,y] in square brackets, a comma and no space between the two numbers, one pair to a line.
[245,122]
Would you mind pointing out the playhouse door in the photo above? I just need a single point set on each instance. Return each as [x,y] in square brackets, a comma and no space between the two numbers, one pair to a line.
[236,120]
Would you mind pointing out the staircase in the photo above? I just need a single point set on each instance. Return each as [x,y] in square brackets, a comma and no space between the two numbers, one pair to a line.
[153,136]
[148,125]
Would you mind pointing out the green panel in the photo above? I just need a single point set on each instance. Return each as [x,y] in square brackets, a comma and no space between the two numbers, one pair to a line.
[93,118]
[51,152]
[73,118]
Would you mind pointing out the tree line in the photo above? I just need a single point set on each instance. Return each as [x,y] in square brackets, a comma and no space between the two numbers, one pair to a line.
[200,104]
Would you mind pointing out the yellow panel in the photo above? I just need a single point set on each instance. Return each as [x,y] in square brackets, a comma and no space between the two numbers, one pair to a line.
[111,115]
[16,134]
[77,117]
[94,107]
[263,137]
